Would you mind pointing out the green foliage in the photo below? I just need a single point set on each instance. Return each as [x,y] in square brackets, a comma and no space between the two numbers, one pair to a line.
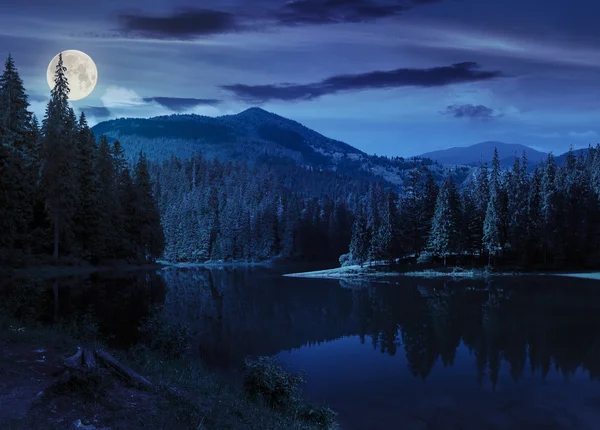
[265,379]
[83,326]
[172,341]
[322,417]
[24,300]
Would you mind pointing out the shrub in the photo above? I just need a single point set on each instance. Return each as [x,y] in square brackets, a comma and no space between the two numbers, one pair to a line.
[265,379]
[347,260]
[425,258]
[321,417]
[170,340]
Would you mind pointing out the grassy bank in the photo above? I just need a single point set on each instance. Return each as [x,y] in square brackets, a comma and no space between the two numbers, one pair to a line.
[36,394]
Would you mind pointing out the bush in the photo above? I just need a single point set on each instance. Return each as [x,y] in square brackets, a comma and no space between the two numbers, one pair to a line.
[170,340]
[321,417]
[265,379]
[425,258]
[347,260]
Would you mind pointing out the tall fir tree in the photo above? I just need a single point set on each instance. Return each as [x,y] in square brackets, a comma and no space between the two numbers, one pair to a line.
[445,226]
[58,173]
[17,167]
[87,215]
[150,241]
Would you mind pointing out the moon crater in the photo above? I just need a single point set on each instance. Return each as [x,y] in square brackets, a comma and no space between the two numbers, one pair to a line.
[82,74]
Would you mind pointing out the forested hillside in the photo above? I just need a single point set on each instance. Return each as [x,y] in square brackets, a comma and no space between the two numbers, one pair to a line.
[549,218]
[256,186]
[254,136]
[64,194]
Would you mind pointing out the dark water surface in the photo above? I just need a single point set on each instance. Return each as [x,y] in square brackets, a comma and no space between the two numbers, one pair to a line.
[516,353]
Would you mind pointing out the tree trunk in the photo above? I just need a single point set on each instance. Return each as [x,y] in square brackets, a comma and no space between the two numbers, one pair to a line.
[56,237]
[444,260]
[121,369]
[55,290]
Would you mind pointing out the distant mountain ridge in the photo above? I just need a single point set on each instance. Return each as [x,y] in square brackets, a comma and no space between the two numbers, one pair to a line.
[483,152]
[255,136]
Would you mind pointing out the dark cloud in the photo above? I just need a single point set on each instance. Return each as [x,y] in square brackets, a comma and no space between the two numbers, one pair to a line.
[432,77]
[192,23]
[337,11]
[96,111]
[470,111]
[181,104]
[334,11]
[184,24]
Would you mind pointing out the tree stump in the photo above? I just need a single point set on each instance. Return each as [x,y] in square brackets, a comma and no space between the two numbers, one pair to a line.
[86,360]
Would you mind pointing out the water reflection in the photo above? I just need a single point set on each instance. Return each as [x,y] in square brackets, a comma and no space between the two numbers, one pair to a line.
[117,303]
[532,325]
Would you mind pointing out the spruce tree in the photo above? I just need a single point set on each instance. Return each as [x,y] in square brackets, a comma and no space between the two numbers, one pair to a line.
[493,224]
[359,244]
[17,161]
[150,241]
[86,218]
[445,227]
[58,174]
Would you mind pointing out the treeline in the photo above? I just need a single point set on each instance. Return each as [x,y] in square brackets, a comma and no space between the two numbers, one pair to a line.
[62,192]
[213,210]
[549,218]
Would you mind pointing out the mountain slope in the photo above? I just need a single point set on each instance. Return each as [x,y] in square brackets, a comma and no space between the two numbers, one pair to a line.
[484,151]
[255,136]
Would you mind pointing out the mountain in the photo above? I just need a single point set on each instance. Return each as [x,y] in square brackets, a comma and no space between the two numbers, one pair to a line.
[484,151]
[255,136]
[560,159]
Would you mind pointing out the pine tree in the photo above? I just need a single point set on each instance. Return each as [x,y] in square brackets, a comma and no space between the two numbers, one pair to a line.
[444,236]
[494,222]
[549,208]
[359,244]
[150,242]
[15,117]
[86,219]
[17,161]
[106,199]
[58,175]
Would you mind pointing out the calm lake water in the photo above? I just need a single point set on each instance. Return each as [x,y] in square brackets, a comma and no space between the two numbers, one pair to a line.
[515,353]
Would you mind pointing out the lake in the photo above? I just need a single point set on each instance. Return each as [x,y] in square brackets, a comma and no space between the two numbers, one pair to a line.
[513,353]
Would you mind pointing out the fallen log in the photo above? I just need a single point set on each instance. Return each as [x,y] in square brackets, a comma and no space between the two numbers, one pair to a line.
[74,361]
[88,359]
[123,370]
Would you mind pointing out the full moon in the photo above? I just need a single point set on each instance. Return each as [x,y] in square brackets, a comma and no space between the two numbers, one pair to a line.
[81,74]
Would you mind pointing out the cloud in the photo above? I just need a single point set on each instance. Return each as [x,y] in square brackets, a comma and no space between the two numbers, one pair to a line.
[96,111]
[184,24]
[546,135]
[432,77]
[121,97]
[190,23]
[181,104]
[342,11]
[590,134]
[335,11]
[471,111]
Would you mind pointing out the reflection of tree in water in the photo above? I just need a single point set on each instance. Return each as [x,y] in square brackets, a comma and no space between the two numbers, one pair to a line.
[538,321]
[117,304]
[235,312]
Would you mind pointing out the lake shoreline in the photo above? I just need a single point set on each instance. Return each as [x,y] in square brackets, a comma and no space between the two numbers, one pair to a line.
[383,271]
[46,271]
[37,393]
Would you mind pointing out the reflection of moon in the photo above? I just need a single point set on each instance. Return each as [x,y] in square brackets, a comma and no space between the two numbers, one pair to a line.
[82,73]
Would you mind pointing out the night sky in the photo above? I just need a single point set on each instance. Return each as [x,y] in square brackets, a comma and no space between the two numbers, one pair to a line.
[391,77]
